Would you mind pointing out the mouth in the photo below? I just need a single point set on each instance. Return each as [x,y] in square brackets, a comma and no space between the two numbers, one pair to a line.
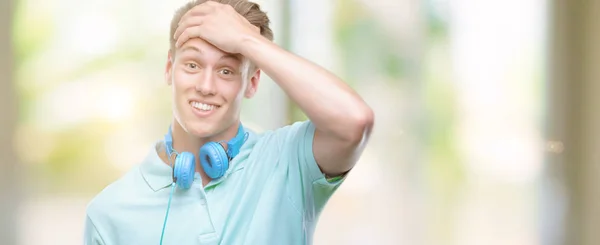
[203,106]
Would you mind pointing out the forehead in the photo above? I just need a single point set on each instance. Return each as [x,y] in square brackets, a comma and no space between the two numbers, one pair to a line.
[199,47]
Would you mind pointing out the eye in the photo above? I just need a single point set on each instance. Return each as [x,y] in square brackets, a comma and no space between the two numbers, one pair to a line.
[226,72]
[191,65]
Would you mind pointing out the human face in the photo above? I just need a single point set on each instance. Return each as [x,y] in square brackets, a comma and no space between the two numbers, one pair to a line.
[208,87]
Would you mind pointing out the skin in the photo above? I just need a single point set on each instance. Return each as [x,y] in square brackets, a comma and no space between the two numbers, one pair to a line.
[198,71]
[343,121]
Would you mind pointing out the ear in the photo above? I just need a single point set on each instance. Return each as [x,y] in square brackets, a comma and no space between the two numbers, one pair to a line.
[253,85]
[169,69]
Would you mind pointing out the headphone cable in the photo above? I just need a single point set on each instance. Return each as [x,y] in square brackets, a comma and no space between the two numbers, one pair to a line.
[167,214]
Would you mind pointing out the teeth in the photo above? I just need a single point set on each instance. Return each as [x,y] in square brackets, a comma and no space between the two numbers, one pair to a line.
[204,107]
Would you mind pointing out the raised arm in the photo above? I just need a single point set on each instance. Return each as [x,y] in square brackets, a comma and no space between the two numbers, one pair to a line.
[342,120]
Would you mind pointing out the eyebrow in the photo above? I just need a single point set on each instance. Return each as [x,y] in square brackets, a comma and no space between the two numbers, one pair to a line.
[191,48]
[224,57]
[231,56]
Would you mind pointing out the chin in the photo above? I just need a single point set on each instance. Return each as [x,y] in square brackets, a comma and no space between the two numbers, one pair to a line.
[206,126]
[202,129]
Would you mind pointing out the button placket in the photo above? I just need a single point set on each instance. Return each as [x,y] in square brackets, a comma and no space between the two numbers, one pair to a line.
[208,234]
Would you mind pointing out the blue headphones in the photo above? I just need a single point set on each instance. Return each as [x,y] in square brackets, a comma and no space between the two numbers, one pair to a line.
[213,157]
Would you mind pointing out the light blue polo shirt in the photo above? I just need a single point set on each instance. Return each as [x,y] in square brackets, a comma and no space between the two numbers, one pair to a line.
[272,193]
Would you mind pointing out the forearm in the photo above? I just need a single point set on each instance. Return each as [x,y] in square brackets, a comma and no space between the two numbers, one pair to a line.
[330,104]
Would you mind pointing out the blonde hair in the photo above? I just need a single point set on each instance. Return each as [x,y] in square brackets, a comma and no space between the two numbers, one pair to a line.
[249,10]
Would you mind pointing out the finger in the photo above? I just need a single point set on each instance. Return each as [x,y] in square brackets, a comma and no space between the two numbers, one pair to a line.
[189,33]
[194,21]
[199,10]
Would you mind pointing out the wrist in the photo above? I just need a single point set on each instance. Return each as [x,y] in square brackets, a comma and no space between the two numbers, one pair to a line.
[250,43]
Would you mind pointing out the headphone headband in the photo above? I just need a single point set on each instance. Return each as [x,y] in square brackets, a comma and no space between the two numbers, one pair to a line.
[169,142]
[234,145]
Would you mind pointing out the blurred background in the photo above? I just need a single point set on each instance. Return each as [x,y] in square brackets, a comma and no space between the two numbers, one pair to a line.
[487,128]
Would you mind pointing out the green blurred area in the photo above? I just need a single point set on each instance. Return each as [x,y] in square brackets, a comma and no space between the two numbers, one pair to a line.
[81,155]
[77,151]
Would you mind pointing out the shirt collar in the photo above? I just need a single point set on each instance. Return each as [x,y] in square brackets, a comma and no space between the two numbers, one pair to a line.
[155,171]
[159,175]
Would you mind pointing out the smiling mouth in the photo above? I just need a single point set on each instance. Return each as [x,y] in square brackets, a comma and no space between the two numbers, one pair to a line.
[203,107]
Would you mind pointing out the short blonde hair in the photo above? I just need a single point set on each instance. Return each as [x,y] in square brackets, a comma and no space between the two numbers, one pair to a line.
[249,10]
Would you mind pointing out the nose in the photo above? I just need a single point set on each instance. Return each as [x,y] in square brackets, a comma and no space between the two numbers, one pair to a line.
[206,84]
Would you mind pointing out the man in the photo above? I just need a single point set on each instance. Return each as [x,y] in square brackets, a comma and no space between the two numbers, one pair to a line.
[211,181]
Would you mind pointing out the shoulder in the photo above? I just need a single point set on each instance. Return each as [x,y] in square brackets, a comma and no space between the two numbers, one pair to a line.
[292,145]
[111,214]
[108,199]
[289,140]
[292,133]
[276,149]
[131,186]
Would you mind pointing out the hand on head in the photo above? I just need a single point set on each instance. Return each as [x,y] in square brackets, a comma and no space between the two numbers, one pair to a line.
[218,24]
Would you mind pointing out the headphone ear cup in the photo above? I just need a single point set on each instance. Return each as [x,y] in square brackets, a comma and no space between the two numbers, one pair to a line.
[214,160]
[185,166]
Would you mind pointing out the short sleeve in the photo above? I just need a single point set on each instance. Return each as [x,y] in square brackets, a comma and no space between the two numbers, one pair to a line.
[91,235]
[308,186]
